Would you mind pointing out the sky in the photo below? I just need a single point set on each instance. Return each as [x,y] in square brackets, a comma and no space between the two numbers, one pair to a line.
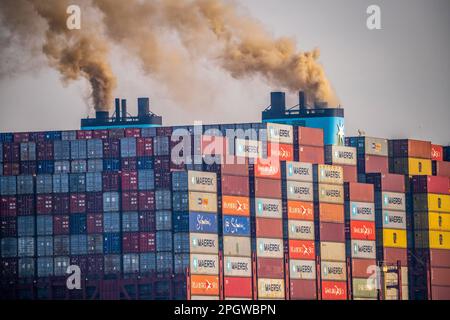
[392,83]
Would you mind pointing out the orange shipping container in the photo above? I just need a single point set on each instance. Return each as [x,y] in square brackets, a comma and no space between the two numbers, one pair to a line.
[300,210]
[302,249]
[267,168]
[283,152]
[204,285]
[331,212]
[362,230]
[437,153]
[239,206]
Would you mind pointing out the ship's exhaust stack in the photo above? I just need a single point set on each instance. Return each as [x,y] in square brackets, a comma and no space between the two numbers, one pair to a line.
[143,107]
[302,100]
[277,102]
[117,102]
[124,109]
[102,115]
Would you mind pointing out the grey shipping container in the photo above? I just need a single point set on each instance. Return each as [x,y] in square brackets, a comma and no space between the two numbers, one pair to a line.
[130,221]
[60,265]
[44,246]
[163,199]
[180,201]
[95,149]
[26,267]
[131,263]
[95,165]
[44,183]
[69,135]
[44,266]
[95,244]
[111,222]
[128,147]
[146,180]
[93,182]
[8,247]
[78,166]
[110,201]
[112,263]
[148,132]
[147,262]
[8,186]
[77,182]
[78,150]
[78,244]
[62,166]
[28,151]
[180,181]
[25,185]
[61,150]
[44,225]
[163,241]
[25,246]
[163,220]
[61,245]
[181,242]
[164,262]
[25,226]
[181,263]
[161,146]
[61,183]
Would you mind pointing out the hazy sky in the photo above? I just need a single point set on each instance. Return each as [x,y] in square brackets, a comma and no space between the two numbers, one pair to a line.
[393,83]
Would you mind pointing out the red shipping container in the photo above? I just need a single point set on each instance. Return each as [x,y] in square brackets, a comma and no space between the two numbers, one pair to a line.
[334,232]
[363,268]
[162,180]
[360,192]
[302,249]
[95,264]
[162,164]
[334,290]
[267,188]
[129,164]
[84,134]
[37,136]
[94,202]
[311,154]
[44,150]
[116,133]
[235,186]
[61,203]
[44,204]
[130,201]
[283,152]
[25,205]
[267,168]
[110,181]
[269,228]
[350,173]
[130,242]
[94,223]
[437,152]
[440,276]
[11,169]
[147,242]
[440,293]
[270,268]
[28,168]
[310,136]
[147,221]
[392,255]
[303,289]
[431,184]
[129,181]
[81,261]
[387,182]
[234,166]
[441,168]
[164,131]
[410,149]
[21,137]
[8,206]
[236,287]
[132,132]
[8,227]
[100,134]
[146,201]
[144,147]
[60,225]
[436,257]
[374,164]
[111,148]
[77,203]
[362,230]
[11,152]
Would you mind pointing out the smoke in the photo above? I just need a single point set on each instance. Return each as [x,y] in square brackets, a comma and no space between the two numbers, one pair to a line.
[74,53]
[169,37]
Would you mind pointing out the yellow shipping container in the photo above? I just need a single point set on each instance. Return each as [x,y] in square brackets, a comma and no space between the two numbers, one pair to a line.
[419,167]
[393,238]
[438,221]
[439,202]
[439,240]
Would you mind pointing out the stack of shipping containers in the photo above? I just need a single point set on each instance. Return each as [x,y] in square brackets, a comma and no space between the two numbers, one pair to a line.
[299,229]
[410,157]
[391,233]
[330,231]
[344,157]
[431,259]
[361,246]
[196,241]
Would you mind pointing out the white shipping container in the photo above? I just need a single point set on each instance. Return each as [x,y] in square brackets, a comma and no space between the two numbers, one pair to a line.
[269,248]
[330,174]
[376,146]
[248,148]
[202,181]
[270,288]
[268,208]
[394,220]
[302,269]
[203,202]
[393,201]
[299,171]
[207,264]
[340,155]
[237,266]
[204,243]
[300,191]
[331,193]
[301,230]
[363,249]
[236,246]
[362,211]
[335,271]
[332,251]
[280,133]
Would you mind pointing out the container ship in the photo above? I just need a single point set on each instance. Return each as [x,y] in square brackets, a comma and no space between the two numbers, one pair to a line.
[287,208]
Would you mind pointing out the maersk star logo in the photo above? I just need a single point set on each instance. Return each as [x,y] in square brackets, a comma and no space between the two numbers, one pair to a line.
[340,134]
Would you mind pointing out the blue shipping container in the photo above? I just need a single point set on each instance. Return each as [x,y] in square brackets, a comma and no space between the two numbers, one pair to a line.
[46,167]
[144,163]
[44,225]
[112,243]
[236,225]
[202,222]
[78,223]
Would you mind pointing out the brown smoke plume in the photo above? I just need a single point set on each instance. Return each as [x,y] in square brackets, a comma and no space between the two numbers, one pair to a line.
[74,53]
